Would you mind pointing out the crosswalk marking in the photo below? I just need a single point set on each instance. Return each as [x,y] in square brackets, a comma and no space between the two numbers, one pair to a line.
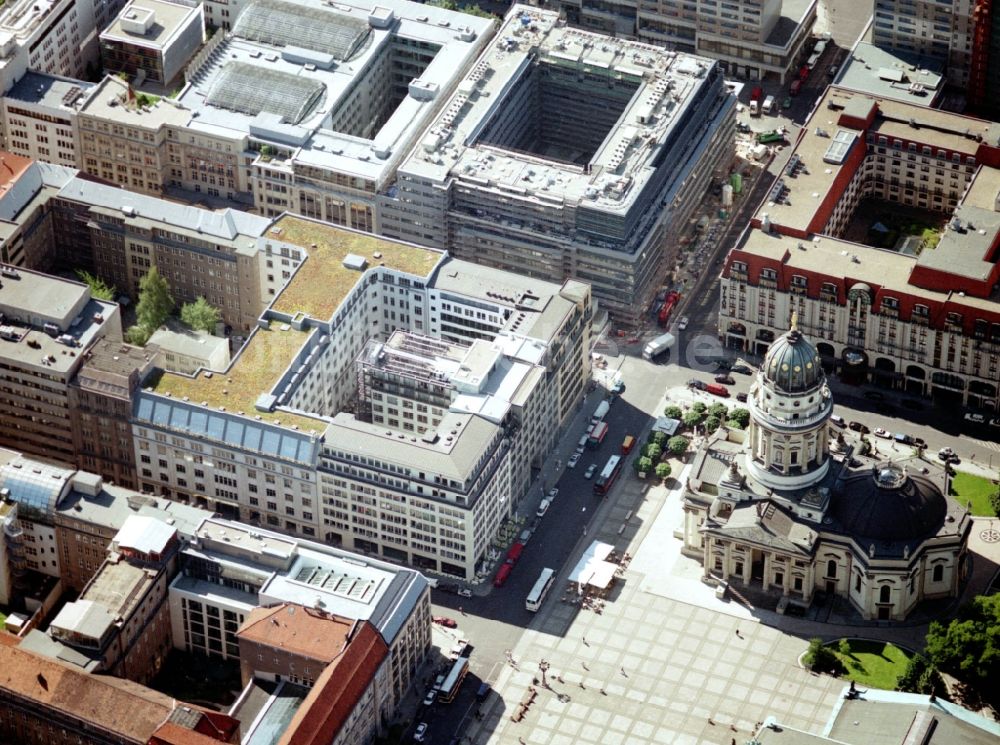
[995,447]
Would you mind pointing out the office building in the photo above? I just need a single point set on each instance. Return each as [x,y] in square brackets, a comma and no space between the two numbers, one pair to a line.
[38,117]
[151,42]
[187,350]
[921,315]
[565,153]
[267,439]
[27,237]
[750,39]
[231,574]
[120,624]
[339,665]
[783,509]
[101,395]
[48,325]
[931,29]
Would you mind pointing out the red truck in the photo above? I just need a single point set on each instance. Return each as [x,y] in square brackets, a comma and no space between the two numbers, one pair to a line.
[514,553]
[757,94]
[717,390]
[668,307]
[795,87]
[502,574]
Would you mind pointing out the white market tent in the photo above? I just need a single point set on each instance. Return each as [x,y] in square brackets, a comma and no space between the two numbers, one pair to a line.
[593,570]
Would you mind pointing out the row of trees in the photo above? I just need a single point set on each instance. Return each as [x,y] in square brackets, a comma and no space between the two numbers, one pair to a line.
[155,306]
[709,417]
[658,446]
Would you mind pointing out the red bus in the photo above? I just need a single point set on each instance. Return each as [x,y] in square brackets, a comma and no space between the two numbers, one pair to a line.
[668,307]
[502,574]
[607,478]
[717,390]
[597,436]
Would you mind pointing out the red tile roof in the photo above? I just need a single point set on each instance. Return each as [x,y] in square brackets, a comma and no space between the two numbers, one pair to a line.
[170,733]
[128,709]
[297,629]
[12,168]
[338,690]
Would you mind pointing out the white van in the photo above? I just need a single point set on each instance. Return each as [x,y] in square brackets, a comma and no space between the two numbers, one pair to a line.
[543,507]
[769,104]
[582,444]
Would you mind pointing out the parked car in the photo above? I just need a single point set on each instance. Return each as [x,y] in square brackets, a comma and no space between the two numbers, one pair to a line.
[903,438]
[553,493]
[974,418]
[742,397]
[683,323]
[589,473]
[464,592]
[430,697]
[859,427]
[945,454]
[875,395]
[725,379]
[542,508]
[618,387]
[573,460]
[420,733]
[838,420]
[883,433]
[919,442]
[448,623]
[741,369]
[696,384]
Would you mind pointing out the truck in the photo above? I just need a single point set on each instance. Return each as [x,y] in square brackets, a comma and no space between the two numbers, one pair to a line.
[775,135]
[658,346]
[597,435]
[768,107]
[669,303]
[795,87]
[599,413]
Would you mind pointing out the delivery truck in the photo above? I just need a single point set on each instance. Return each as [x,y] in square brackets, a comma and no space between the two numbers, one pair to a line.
[658,346]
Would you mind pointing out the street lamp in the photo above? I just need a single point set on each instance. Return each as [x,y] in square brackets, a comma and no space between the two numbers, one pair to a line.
[543,666]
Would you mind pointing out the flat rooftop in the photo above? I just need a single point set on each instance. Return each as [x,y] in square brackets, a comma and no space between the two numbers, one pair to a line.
[665,82]
[305,47]
[453,450]
[108,102]
[898,75]
[168,19]
[256,369]
[322,282]
[118,586]
[793,13]
[810,187]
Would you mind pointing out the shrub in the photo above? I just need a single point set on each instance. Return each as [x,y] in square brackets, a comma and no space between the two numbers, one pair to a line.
[663,471]
[699,407]
[677,445]
[660,438]
[653,451]
[820,659]
[712,423]
[643,465]
[921,676]
[693,419]
[673,412]
[719,411]
[739,418]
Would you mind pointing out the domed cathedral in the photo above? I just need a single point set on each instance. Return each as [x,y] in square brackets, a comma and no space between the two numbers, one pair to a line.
[782,509]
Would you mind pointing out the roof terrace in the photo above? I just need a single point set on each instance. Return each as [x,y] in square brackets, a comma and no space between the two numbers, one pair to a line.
[255,370]
[322,281]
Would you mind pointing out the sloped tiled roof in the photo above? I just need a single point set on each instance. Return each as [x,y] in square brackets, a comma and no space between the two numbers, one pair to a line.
[294,628]
[337,690]
[128,709]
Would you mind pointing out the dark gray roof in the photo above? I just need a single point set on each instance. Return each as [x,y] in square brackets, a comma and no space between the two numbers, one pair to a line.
[236,431]
[870,504]
[792,363]
[765,524]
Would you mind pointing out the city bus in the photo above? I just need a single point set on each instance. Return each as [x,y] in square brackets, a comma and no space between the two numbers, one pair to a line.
[597,435]
[537,595]
[607,478]
[449,689]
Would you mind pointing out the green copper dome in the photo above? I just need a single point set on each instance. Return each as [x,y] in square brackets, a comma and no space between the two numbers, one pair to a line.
[792,363]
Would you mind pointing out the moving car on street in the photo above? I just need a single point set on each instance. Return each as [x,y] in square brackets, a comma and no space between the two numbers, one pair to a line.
[448,623]
[589,473]
[883,433]
[725,379]
[859,427]
[573,460]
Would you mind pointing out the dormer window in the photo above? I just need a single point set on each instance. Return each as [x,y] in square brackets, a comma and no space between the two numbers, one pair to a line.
[768,274]
[920,310]
[890,302]
[799,281]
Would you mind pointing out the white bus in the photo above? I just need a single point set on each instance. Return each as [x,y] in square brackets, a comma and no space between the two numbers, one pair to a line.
[537,595]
